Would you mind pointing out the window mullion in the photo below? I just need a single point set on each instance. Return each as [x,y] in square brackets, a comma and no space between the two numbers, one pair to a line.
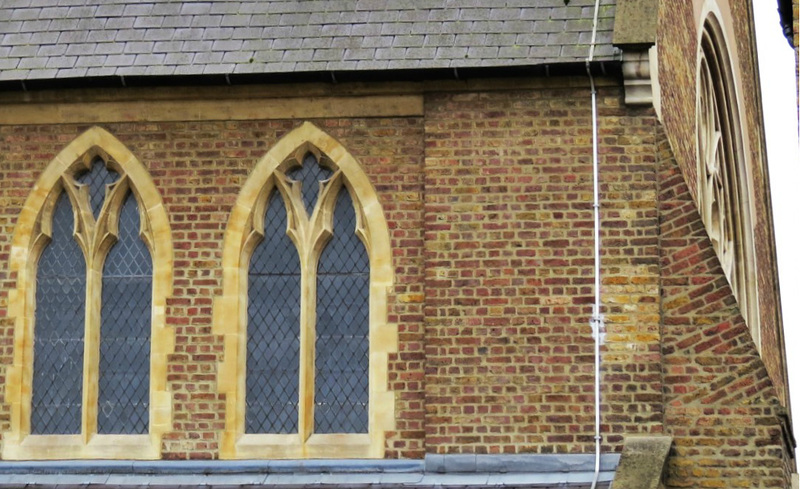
[308,319]
[91,354]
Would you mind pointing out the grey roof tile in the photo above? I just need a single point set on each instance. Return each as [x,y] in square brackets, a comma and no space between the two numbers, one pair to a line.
[51,51]
[177,21]
[25,14]
[421,53]
[90,61]
[21,38]
[81,12]
[120,60]
[110,10]
[377,42]
[238,57]
[194,33]
[83,49]
[166,8]
[120,22]
[248,33]
[32,63]
[206,20]
[101,35]
[145,21]
[8,63]
[138,9]
[21,51]
[31,25]
[195,8]
[167,46]
[226,45]
[235,20]
[206,58]
[10,26]
[390,53]
[288,35]
[178,58]
[158,34]
[44,37]
[17,74]
[139,47]
[101,71]
[72,37]
[91,24]
[149,59]
[296,55]
[109,48]
[328,54]
[160,70]
[409,41]
[72,73]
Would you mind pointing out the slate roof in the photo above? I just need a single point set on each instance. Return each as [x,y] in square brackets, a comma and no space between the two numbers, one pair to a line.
[58,39]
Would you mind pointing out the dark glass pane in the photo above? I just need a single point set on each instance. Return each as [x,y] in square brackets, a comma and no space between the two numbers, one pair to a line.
[273,329]
[310,175]
[97,179]
[59,329]
[342,346]
[124,381]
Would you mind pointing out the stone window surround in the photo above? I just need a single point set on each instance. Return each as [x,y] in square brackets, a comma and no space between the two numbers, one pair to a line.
[31,236]
[724,183]
[241,236]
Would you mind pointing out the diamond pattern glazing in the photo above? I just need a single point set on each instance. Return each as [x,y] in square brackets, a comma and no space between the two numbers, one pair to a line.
[96,179]
[342,343]
[59,329]
[273,329]
[124,379]
[310,175]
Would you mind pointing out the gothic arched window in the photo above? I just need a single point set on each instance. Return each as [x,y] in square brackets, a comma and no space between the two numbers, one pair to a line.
[86,380]
[307,252]
[722,174]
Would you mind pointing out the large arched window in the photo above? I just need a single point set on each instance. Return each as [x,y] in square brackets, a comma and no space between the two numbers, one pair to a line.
[92,252]
[307,267]
[723,188]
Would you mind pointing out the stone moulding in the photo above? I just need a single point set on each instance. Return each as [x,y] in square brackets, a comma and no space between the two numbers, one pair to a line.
[31,235]
[230,310]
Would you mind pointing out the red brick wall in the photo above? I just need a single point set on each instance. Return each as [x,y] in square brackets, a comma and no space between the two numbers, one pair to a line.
[509,271]
[489,203]
[720,404]
[199,169]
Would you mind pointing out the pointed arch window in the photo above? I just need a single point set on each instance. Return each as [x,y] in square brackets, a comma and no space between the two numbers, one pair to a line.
[86,380]
[309,256]
[723,179]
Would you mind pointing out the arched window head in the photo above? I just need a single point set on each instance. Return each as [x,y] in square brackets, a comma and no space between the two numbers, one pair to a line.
[92,253]
[722,174]
[307,264]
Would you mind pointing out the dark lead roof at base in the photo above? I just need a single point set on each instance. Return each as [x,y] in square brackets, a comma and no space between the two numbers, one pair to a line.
[59,39]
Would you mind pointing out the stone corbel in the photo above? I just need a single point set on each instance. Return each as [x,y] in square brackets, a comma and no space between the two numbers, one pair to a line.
[637,72]
[635,33]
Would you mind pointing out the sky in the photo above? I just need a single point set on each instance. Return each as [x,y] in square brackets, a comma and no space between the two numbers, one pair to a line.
[779,97]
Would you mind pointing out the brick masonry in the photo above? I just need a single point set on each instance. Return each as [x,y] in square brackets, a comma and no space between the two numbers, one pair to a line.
[720,403]
[488,200]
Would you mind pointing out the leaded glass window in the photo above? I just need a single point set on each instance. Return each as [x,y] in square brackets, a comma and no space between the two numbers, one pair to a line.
[273,329]
[342,346]
[324,218]
[307,337]
[59,340]
[67,274]
[123,393]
